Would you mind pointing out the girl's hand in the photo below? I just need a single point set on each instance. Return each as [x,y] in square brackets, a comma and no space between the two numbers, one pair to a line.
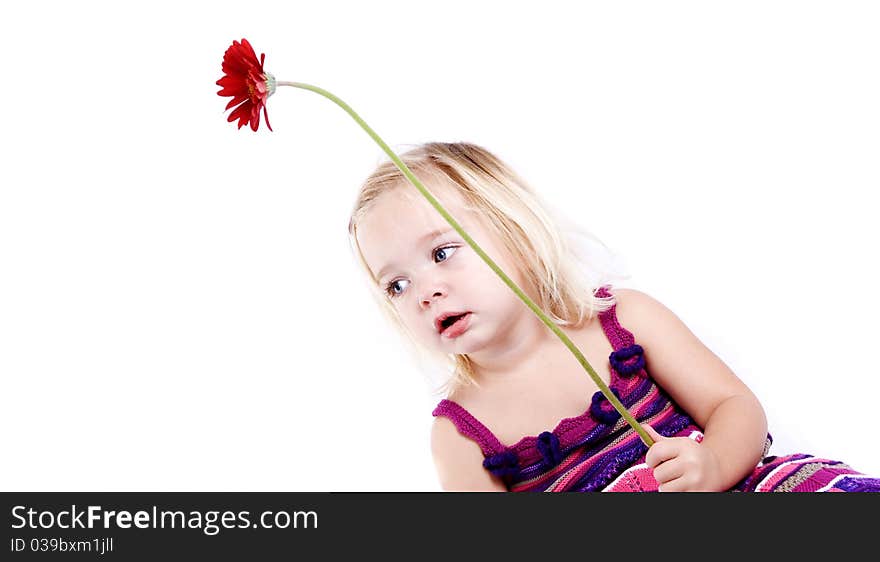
[680,464]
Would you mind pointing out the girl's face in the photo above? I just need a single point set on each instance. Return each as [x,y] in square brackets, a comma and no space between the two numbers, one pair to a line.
[427,269]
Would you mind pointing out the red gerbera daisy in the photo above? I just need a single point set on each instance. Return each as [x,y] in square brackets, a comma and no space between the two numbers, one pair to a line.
[249,85]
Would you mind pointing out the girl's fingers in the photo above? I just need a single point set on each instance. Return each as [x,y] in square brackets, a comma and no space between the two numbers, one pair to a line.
[667,472]
[661,451]
[676,485]
[652,433]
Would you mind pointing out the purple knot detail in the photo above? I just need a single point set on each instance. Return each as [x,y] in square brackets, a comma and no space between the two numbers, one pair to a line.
[502,464]
[607,415]
[623,363]
[548,446]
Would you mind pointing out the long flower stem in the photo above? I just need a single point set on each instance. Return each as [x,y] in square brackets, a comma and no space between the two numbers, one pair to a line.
[415,181]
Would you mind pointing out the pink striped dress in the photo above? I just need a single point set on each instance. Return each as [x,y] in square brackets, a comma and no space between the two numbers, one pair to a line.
[599,451]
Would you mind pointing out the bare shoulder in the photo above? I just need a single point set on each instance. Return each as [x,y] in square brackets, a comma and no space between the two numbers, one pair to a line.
[638,311]
[459,460]
[646,317]
[657,328]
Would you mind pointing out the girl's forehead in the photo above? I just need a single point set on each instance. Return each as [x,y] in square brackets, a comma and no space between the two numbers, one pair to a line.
[399,222]
[406,210]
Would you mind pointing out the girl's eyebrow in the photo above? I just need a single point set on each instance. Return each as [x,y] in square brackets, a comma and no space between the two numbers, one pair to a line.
[424,238]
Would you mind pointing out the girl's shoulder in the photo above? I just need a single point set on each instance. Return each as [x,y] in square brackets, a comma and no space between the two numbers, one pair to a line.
[635,310]
[647,321]
[626,294]
[653,325]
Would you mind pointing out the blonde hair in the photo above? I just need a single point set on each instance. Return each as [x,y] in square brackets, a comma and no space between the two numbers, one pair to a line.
[512,211]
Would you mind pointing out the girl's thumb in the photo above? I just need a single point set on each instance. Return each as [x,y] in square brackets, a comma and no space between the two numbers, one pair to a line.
[651,432]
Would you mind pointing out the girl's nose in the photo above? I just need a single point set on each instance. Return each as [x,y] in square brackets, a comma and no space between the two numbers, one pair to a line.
[431,296]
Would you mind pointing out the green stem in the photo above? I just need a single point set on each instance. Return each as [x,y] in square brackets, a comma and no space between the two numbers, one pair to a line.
[415,181]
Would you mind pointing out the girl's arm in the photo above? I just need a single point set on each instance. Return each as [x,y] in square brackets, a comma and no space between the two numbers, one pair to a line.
[732,419]
[459,461]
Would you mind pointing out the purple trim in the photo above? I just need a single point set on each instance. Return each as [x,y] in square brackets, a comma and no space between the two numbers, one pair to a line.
[600,414]
[502,464]
[620,360]
[855,484]
[548,446]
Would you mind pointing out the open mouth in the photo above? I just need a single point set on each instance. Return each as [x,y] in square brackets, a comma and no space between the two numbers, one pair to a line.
[449,321]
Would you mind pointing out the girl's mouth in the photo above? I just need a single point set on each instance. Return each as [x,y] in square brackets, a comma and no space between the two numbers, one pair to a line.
[457,327]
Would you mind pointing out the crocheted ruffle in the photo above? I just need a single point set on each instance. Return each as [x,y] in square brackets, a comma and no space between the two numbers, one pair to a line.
[602,410]
[548,446]
[629,360]
[502,464]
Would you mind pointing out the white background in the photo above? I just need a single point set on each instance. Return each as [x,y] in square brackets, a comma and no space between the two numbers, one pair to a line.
[179,308]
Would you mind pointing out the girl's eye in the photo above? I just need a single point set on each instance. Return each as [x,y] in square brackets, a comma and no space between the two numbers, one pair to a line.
[442,251]
[389,289]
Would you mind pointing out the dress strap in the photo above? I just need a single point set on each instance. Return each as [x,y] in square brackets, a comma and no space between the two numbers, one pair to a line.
[619,336]
[469,426]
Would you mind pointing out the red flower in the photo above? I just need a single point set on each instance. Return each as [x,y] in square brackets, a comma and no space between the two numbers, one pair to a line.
[249,85]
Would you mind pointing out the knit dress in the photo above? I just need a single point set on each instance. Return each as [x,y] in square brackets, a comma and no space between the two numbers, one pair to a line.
[599,451]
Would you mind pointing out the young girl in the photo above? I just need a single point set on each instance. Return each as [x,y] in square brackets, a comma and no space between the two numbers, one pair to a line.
[551,428]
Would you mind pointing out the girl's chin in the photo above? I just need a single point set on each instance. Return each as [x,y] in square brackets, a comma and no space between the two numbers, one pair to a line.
[460,345]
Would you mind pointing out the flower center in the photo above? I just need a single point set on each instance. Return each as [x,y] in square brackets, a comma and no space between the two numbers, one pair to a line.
[270,83]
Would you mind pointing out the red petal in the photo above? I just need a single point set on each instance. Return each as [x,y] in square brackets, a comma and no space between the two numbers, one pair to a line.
[232,86]
[236,100]
[232,81]
[255,116]
[266,115]
[238,60]
[248,52]
[242,113]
